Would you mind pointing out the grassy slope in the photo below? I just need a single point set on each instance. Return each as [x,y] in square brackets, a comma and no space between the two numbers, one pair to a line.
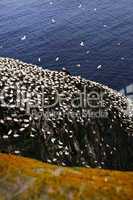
[26,179]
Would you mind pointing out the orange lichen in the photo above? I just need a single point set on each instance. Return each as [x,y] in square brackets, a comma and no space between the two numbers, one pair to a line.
[24,179]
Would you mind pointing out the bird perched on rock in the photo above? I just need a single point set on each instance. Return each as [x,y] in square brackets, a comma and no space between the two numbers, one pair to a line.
[66,71]
[63,119]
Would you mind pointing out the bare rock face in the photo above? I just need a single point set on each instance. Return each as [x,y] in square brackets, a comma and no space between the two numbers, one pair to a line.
[62,119]
[24,179]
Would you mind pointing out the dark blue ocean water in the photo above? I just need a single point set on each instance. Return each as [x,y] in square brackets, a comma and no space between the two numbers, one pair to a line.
[77,34]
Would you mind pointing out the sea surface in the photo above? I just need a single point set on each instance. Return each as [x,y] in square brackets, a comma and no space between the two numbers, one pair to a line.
[91,38]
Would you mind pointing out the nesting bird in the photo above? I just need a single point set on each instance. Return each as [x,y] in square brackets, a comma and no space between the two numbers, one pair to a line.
[61,119]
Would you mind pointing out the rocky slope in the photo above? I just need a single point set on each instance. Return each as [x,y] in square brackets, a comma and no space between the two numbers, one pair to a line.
[62,119]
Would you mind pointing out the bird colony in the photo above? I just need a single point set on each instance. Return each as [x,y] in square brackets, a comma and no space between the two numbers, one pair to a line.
[63,119]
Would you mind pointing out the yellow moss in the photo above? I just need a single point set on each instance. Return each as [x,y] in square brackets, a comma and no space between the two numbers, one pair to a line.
[27,179]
